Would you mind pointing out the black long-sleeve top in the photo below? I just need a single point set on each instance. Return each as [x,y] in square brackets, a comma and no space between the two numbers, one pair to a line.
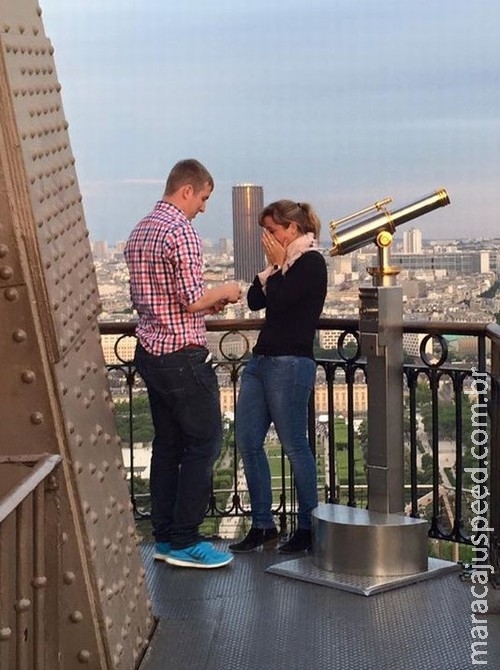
[293,303]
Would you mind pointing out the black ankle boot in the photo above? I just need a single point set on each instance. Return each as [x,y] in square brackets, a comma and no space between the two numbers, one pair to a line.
[267,538]
[301,540]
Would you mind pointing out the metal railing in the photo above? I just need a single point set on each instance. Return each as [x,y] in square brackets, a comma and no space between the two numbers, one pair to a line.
[29,580]
[437,424]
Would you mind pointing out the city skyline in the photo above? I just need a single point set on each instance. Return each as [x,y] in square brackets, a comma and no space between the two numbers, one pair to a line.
[338,104]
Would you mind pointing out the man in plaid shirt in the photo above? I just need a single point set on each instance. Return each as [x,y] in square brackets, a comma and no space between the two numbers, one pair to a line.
[165,262]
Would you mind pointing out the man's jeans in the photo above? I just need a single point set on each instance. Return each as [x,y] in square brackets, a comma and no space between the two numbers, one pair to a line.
[276,389]
[185,407]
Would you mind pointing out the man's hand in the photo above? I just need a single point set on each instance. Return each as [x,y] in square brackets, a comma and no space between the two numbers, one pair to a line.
[233,292]
[218,307]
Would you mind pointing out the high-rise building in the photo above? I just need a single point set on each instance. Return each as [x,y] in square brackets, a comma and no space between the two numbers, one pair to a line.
[412,241]
[248,201]
[100,250]
[225,246]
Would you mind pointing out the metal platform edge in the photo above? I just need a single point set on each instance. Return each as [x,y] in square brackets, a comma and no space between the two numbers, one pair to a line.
[305,570]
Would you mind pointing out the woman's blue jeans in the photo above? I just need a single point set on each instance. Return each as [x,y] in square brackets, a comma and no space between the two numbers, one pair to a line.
[276,389]
[185,407]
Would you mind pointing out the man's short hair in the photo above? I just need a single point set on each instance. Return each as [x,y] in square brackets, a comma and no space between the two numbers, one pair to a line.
[188,171]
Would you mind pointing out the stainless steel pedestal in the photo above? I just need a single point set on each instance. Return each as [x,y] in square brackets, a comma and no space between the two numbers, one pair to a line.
[365,543]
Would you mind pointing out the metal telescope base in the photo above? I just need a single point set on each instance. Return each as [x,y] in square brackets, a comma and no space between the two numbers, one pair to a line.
[365,552]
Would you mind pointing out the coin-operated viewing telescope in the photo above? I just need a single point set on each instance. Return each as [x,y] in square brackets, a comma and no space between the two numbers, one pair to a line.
[366,227]
[380,541]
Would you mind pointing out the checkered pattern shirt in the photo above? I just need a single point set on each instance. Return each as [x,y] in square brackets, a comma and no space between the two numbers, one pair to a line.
[165,263]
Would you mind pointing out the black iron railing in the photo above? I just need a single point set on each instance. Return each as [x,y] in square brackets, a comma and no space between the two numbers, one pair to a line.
[439,436]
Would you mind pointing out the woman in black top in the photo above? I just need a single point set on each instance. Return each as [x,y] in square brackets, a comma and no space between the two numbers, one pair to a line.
[277,382]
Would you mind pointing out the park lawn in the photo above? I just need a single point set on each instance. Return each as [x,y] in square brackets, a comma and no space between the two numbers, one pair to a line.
[273,450]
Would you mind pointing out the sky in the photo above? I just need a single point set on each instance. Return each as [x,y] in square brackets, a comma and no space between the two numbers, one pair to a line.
[339,103]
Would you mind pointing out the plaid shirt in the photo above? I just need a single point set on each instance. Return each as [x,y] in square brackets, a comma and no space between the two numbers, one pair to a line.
[165,263]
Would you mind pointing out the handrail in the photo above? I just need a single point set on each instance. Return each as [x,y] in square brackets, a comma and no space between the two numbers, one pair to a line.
[325,323]
[43,465]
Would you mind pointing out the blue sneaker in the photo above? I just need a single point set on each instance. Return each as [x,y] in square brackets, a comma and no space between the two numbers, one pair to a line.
[199,555]
[162,550]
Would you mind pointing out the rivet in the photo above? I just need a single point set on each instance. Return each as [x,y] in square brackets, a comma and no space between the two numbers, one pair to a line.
[39,582]
[76,616]
[84,656]
[5,633]
[6,272]
[37,418]
[11,294]
[19,336]
[28,376]
[4,250]
[69,577]
[22,605]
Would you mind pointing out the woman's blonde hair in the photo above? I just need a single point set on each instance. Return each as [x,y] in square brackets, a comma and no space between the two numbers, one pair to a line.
[286,212]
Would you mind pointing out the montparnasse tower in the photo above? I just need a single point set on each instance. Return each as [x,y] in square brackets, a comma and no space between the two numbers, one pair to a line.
[248,201]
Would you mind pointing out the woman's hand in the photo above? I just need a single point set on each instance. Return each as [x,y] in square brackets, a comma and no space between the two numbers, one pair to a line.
[275,252]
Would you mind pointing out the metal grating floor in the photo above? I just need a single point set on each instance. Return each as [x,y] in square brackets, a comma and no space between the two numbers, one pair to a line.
[244,618]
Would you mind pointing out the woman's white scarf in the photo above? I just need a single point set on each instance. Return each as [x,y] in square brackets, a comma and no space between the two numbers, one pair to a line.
[294,250]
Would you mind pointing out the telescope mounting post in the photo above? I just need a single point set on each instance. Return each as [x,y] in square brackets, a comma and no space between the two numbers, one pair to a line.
[381,341]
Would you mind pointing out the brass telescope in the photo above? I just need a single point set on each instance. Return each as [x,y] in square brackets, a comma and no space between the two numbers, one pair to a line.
[367,230]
